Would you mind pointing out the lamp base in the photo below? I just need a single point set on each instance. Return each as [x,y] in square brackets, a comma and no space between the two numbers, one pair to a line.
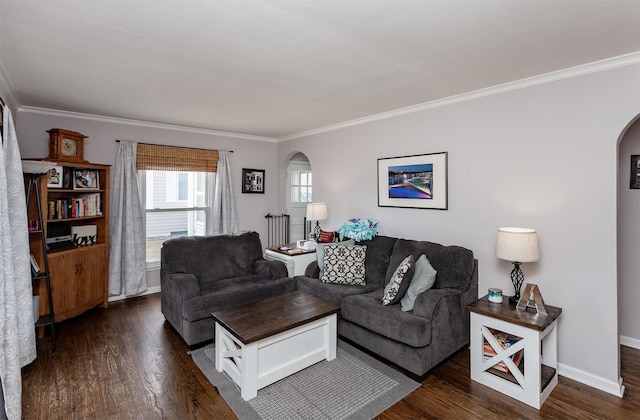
[514,299]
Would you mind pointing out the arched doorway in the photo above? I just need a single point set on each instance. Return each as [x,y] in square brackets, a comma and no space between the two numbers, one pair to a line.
[628,234]
[298,192]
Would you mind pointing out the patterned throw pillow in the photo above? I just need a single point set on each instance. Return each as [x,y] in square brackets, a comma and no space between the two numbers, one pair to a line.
[399,282]
[320,253]
[344,264]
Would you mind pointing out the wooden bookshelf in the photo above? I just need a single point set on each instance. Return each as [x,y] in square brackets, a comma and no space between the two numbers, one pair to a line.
[79,274]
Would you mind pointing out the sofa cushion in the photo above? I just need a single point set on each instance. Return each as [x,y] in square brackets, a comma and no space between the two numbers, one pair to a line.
[399,282]
[454,264]
[378,255]
[330,292]
[320,252]
[423,279]
[227,293]
[344,264]
[389,321]
[212,257]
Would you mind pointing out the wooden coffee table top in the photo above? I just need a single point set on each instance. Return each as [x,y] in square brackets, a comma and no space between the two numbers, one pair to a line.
[256,321]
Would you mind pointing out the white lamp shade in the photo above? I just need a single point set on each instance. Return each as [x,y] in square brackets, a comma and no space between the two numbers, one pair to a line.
[517,244]
[317,211]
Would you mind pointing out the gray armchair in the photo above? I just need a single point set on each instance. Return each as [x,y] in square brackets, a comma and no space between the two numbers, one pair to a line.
[202,274]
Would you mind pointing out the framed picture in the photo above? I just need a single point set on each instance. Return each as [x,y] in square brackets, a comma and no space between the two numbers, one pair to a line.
[34,265]
[634,182]
[85,179]
[253,181]
[418,181]
[55,177]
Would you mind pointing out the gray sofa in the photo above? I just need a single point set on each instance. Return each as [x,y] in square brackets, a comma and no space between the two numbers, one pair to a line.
[203,274]
[417,340]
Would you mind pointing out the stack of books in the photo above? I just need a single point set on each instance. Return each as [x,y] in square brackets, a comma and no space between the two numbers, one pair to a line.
[85,205]
[505,340]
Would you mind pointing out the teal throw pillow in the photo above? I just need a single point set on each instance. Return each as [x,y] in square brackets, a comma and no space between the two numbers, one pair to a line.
[423,279]
[320,252]
[399,282]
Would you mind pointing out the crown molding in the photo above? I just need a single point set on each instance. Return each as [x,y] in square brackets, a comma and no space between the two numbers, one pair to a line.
[594,67]
[140,123]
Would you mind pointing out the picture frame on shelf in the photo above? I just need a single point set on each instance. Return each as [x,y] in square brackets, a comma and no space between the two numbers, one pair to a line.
[35,267]
[253,181]
[416,181]
[86,179]
[55,177]
[634,181]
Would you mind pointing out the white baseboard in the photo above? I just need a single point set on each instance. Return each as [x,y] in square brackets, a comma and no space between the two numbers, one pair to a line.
[630,342]
[149,291]
[612,387]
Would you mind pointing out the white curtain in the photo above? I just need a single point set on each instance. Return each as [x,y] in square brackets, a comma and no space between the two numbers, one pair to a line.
[17,330]
[224,209]
[127,259]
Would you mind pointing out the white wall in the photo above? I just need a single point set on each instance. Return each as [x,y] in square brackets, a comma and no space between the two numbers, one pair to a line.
[101,147]
[629,242]
[543,157]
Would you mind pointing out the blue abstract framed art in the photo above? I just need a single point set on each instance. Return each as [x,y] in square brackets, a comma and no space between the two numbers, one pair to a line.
[417,181]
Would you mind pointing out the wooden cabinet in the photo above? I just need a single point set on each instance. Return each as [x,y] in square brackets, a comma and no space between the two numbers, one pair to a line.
[75,207]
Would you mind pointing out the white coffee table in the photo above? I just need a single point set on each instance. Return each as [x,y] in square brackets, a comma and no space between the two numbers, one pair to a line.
[261,343]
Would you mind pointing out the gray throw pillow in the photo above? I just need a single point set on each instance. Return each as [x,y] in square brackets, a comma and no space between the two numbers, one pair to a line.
[423,279]
[320,252]
[344,264]
[399,282]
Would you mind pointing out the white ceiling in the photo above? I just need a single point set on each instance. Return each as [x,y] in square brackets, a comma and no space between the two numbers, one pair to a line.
[276,68]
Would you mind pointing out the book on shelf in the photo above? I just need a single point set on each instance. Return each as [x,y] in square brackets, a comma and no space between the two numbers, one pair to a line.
[506,341]
[85,205]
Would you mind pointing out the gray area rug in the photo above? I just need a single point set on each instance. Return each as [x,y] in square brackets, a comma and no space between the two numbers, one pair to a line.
[352,386]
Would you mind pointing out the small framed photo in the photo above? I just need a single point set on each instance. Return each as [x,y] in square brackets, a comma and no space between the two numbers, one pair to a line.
[85,179]
[34,265]
[55,177]
[634,182]
[252,181]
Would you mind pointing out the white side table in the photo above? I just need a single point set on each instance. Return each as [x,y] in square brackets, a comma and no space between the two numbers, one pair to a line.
[295,259]
[533,379]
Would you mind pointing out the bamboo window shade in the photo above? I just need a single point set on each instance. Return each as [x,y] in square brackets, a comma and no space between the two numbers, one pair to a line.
[172,158]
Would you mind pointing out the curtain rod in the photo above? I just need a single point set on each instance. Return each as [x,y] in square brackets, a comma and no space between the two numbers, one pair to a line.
[181,147]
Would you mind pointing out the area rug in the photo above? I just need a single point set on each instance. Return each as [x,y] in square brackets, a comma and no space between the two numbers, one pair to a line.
[352,386]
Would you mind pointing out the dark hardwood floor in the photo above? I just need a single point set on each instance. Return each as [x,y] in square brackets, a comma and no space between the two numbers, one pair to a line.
[126,362]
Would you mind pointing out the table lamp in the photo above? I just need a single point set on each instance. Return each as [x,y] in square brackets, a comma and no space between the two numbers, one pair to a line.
[517,245]
[317,212]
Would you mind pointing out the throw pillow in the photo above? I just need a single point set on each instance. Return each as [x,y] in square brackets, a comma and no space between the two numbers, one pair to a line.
[344,264]
[423,279]
[320,252]
[325,237]
[399,282]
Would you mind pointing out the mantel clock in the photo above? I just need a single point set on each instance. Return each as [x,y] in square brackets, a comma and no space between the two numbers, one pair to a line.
[66,145]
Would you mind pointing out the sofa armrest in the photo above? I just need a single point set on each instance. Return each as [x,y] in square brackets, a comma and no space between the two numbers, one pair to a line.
[270,269]
[312,270]
[182,285]
[426,302]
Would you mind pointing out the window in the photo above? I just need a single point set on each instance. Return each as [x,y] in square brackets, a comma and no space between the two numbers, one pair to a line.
[176,185]
[176,204]
[301,186]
